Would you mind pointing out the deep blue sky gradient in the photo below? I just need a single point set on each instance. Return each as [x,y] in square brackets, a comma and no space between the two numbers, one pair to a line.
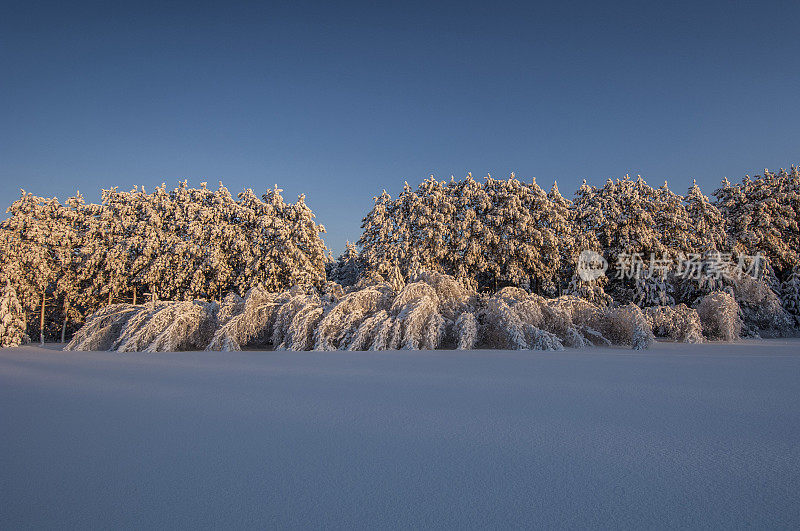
[341,100]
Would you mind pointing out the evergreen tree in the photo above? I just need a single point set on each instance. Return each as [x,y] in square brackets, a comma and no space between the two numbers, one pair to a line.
[762,216]
[347,269]
[562,222]
[12,318]
[30,256]
[707,225]
[790,294]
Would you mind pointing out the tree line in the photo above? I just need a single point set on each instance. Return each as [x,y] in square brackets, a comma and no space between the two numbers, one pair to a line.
[67,260]
[508,232]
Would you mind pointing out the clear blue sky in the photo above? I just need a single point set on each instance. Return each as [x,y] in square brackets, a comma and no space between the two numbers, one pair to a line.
[341,100]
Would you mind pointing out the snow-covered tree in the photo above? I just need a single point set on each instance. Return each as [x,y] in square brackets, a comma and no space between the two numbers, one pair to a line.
[12,318]
[653,289]
[176,245]
[524,243]
[31,241]
[501,232]
[69,260]
[69,286]
[673,222]
[707,225]
[622,217]
[790,295]
[347,269]
[762,216]
[570,244]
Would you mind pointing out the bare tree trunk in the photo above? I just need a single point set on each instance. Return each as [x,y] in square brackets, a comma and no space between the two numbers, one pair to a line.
[41,319]
[134,296]
[109,298]
[66,316]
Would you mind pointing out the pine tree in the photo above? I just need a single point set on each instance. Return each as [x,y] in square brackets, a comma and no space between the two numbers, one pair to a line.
[622,218]
[347,269]
[31,241]
[706,221]
[69,288]
[496,233]
[673,222]
[790,294]
[566,233]
[12,318]
[377,239]
[762,216]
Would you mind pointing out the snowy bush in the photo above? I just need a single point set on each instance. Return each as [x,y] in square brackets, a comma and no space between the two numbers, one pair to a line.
[424,312]
[296,319]
[586,318]
[157,327]
[502,326]
[719,314]
[626,325]
[762,311]
[340,322]
[516,320]
[431,311]
[466,330]
[245,322]
[169,327]
[679,323]
[103,328]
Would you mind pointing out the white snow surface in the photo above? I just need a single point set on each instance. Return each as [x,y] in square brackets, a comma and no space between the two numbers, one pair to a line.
[677,436]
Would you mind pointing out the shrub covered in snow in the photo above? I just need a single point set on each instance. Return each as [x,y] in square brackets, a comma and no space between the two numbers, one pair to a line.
[169,327]
[719,314]
[103,328]
[627,325]
[431,311]
[679,323]
[157,327]
[762,311]
[246,322]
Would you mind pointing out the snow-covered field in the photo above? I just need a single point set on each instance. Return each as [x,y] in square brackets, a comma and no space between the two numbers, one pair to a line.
[679,435]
